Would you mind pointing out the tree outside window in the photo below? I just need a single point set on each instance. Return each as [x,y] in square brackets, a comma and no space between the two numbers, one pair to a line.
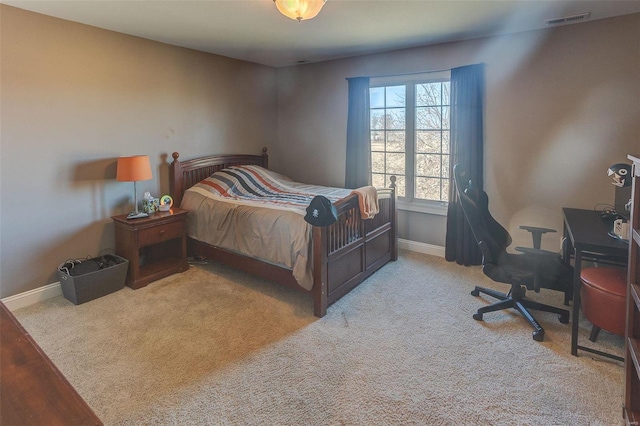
[410,138]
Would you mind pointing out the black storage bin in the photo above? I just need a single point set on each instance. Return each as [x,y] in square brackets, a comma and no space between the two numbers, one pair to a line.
[81,288]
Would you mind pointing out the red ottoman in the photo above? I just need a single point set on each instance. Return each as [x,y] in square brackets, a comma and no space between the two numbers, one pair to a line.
[603,295]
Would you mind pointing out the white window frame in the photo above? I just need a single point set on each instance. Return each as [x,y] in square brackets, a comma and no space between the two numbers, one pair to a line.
[409,81]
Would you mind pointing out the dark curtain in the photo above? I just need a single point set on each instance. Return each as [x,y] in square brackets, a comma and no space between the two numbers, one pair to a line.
[358,145]
[467,110]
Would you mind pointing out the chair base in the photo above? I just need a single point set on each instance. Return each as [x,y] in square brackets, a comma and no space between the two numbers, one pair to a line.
[515,299]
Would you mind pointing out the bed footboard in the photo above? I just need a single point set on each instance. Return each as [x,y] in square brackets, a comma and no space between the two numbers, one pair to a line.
[352,249]
[344,254]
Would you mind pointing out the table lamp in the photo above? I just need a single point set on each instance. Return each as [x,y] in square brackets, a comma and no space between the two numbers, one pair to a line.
[133,169]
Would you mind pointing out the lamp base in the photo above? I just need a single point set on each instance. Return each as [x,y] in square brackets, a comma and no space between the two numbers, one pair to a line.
[136,215]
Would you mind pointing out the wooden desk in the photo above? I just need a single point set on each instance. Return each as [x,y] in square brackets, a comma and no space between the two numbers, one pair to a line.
[33,390]
[588,235]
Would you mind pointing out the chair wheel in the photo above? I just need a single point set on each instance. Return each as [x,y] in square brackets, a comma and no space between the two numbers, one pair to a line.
[564,318]
[475,292]
[477,317]
[538,336]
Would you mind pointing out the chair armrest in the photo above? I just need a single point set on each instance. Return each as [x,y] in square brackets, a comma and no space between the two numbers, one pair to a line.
[536,233]
[536,229]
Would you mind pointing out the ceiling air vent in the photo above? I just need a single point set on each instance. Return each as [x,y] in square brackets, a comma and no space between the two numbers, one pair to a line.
[573,19]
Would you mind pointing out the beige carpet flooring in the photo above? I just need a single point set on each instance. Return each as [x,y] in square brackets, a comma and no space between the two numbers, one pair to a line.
[213,346]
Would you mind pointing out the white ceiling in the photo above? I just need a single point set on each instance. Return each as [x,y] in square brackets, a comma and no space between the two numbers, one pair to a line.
[253,30]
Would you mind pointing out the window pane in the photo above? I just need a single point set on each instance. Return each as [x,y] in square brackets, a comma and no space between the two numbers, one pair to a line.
[377,119]
[377,162]
[384,180]
[377,180]
[430,138]
[395,164]
[445,142]
[377,141]
[445,166]
[376,97]
[428,141]
[445,189]
[428,188]
[445,117]
[396,96]
[428,118]
[395,141]
[395,118]
[445,93]
[428,94]
[428,165]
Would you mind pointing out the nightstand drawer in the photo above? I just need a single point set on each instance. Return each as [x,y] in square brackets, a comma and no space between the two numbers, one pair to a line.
[158,234]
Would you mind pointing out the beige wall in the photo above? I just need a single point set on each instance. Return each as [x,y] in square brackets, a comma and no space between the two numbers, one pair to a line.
[562,105]
[74,98]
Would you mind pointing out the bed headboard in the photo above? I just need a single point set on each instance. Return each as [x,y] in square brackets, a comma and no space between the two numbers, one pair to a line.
[184,174]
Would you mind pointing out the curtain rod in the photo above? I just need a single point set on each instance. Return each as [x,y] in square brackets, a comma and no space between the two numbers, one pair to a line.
[410,73]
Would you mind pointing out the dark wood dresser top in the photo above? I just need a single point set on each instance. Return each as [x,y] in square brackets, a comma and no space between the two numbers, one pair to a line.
[32,389]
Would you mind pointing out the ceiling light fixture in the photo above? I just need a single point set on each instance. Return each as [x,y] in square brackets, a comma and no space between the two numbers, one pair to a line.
[300,10]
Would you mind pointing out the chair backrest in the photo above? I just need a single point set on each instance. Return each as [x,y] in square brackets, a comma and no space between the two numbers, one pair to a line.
[492,238]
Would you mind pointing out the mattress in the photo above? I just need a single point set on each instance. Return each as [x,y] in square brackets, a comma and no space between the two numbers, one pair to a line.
[258,213]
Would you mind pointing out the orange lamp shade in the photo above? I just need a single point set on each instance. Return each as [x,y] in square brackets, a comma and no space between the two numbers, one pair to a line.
[132,169]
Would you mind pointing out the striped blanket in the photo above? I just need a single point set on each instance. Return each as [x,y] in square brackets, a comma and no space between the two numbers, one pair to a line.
[254,185]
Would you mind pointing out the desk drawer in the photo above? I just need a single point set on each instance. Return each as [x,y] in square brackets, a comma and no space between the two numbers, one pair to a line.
[161,233]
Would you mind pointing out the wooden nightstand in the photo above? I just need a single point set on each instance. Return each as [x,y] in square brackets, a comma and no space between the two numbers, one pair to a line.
[155,246]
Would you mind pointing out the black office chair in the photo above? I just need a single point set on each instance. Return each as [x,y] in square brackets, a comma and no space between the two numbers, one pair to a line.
[534,269]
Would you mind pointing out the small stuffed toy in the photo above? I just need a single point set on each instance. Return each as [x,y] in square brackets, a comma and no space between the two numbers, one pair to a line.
[621,174]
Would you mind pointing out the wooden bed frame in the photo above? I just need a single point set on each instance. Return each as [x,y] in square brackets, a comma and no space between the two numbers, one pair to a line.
[344,254]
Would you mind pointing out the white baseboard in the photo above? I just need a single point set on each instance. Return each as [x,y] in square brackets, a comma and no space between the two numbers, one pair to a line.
[53,290]
[421,247]
[32,296]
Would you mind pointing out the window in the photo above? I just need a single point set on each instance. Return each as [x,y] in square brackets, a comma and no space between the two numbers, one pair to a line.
[410,136]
